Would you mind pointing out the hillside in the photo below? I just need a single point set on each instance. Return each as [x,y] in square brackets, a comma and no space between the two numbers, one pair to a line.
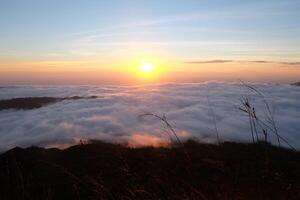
[296,84]
[100,170]
[28,103]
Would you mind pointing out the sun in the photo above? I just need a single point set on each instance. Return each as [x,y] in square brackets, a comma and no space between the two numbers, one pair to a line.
[147,67]
[146,71]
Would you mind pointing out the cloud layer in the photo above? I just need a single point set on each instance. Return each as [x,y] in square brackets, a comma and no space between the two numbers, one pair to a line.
[114,116]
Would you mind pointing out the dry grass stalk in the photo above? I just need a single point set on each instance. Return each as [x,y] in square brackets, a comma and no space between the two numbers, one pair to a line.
[170,127]
[256,121]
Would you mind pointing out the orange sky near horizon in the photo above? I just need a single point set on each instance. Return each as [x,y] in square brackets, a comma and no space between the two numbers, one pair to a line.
[93,73]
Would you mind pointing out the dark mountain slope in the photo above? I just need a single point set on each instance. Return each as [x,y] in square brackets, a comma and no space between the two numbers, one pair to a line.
[296,84]
[109,171]
[28,103]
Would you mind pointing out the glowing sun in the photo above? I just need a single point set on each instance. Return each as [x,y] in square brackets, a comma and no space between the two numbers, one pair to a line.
[147,67]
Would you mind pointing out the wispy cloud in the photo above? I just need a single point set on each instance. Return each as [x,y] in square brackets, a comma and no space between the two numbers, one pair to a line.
[161,43]
[208,61]
[185,17]
[240,61]
[290,63]
[149,22]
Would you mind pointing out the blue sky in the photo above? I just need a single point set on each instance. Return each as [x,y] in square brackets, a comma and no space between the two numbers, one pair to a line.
[78,30]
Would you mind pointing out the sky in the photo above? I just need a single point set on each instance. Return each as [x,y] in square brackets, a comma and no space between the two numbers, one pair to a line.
[73,42]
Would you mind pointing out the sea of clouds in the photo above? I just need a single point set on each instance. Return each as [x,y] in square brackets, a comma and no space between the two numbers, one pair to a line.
[115,115]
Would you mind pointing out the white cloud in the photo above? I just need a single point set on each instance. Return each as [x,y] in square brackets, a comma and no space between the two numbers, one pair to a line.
[114,116]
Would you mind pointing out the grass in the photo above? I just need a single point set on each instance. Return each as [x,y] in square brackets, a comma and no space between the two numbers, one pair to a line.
[261,125]
[100,170]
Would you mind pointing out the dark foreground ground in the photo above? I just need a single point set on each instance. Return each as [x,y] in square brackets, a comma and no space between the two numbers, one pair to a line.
[108,171]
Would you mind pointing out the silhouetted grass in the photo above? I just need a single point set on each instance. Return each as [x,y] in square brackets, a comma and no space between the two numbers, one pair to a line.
[261,124]
[99,170]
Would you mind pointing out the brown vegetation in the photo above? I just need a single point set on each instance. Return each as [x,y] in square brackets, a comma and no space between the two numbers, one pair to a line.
[99,170]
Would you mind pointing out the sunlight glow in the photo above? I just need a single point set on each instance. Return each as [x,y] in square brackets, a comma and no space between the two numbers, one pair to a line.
[147,67]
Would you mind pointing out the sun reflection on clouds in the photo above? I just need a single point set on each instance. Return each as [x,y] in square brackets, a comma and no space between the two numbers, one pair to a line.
[140,140]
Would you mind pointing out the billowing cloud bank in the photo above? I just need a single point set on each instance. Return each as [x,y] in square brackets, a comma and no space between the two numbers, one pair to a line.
[114,116]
